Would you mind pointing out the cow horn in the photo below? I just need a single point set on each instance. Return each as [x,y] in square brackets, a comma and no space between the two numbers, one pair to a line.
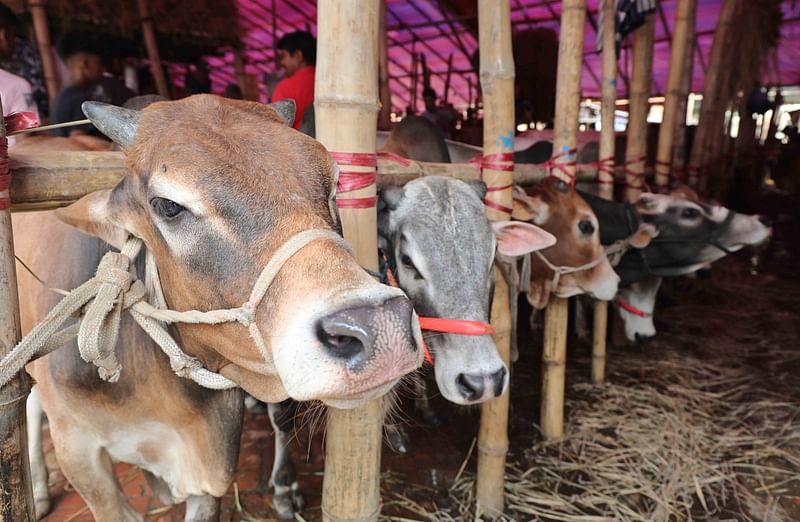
[286,109]
[115,122]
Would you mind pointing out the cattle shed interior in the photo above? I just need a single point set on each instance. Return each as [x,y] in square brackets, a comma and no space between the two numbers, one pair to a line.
[676,401]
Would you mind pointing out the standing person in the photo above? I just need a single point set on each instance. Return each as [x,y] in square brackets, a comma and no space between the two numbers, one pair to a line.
[84,72]
[21,58]
[297,53]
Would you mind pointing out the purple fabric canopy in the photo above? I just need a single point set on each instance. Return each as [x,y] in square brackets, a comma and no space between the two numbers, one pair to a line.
[438,38]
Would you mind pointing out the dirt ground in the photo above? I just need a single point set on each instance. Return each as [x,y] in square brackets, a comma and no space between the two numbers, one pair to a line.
[735,316]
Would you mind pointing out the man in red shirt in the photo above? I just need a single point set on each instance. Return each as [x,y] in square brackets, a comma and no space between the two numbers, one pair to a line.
[297,53]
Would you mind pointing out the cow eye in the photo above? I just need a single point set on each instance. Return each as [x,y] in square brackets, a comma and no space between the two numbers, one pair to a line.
[690,213]
[166,208]
[586,227]
[408,264]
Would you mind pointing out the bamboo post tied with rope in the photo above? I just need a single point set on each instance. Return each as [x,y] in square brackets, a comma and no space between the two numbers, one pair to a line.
[605,174]
[15,479]
[497,164]
[568,89]
[679,155]
[346,111]
[149,33]
[636,150]
[41,30]
[672,104]
[706,128]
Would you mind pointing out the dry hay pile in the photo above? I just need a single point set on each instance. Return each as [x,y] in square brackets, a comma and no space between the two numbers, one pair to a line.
[671,438]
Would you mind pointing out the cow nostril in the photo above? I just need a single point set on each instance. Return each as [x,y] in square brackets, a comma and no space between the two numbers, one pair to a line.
[498,380]
[767,222]
[341,346]
[470,386]
[642,339]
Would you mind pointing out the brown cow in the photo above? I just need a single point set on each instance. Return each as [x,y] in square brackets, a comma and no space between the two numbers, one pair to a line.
[214,188]
[557,208]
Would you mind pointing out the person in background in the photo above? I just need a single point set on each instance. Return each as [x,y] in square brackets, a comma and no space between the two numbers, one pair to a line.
[84,72]
[297,53]
[21,58]
[17,96]
[111,88]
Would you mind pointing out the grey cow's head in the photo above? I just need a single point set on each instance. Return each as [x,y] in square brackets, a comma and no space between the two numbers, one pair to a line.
[442,248]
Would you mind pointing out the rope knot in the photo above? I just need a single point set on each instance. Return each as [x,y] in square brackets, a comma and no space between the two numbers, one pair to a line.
[114,270]
[184,366]
[247,314]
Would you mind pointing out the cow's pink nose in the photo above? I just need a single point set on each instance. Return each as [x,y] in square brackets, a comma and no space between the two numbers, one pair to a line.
[354,335]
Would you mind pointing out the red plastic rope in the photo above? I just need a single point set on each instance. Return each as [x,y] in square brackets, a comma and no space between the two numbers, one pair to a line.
[625,305]
[391,156]
[554,165]
[350,180]
[605,165]
[502,161]
[641,184]
[17,121]
[5,176]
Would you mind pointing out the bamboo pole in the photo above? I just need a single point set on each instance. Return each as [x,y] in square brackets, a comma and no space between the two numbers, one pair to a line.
[15,476]
[641,76]
[346,110]
[679,159]
[149,33]
[680,47]
[705,129]
[606,179]
[493,433]
[446,94]
[42,32]
[385,95]
[568,87]
[497,82]
[238,67]
[47,180]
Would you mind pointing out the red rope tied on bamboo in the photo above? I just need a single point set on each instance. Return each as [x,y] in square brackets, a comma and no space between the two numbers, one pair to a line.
[553,164]
[679,173]
[352,180]
[502,161]
[5,175]
[391,156]
[17,121]
[605,166]
[638,177]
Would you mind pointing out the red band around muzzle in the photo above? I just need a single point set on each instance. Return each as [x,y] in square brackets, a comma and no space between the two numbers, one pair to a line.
[454,326]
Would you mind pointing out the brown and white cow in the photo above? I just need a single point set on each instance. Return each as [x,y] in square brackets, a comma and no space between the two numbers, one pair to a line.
[556,207]
[214,188]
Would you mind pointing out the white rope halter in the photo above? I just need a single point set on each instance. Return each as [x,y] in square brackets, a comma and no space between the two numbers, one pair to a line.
[114,289]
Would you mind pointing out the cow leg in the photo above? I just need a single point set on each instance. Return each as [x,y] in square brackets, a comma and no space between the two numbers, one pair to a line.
[160,488]
[583,330]
[204,508]
[423,403]
[287,497]
[89,469]
[39,475]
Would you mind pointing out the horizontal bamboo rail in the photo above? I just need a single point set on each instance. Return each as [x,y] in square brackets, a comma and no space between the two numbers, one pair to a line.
[54,179]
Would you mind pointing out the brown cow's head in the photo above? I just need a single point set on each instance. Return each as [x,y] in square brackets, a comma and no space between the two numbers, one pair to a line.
[214,187]
[557,208]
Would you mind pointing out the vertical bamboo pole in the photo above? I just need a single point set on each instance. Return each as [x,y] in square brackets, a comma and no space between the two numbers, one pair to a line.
[497,82]
[605,179]
[679,159]
[16,497]
[568,87]
[385,95]
[708,108]
[346,110]
[680,46]
[153,55]
[238,67]
[637,122]
[414,75]
[42,32]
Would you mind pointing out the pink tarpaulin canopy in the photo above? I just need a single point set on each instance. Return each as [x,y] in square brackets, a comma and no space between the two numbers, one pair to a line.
[439,34]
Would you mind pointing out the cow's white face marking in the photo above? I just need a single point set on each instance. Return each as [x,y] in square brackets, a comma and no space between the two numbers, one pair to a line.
[641,295]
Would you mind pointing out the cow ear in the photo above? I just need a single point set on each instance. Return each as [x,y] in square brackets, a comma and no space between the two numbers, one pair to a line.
[389,198]
[515,238]
[529,208]
[286,109]
[91,215]
[642,237]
